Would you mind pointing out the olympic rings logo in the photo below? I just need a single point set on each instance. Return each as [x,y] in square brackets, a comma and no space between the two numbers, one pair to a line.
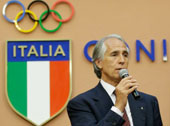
[33,16]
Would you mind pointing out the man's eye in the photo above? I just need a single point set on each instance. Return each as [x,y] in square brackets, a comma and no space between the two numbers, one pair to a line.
[114,54]
[126,55]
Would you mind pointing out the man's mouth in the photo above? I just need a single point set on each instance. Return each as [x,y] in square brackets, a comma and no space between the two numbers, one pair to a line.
[119,68]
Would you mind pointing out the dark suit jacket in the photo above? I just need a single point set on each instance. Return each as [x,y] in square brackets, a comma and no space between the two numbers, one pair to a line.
[93,108]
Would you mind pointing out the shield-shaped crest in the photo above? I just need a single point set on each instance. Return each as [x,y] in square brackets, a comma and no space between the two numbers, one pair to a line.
[38,78]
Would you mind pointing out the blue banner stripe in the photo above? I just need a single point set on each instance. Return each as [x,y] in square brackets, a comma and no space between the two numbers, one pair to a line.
[48,50]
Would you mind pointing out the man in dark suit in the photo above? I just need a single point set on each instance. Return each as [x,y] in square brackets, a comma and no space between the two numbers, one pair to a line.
[111,103]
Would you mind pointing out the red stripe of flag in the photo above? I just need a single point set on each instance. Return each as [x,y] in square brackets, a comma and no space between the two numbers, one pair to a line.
[59,85]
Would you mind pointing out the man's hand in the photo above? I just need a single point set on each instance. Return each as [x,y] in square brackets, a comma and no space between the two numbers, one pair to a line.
[123,89]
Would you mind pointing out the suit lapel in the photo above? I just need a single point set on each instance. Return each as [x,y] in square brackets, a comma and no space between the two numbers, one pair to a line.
[103,100]
[137,110]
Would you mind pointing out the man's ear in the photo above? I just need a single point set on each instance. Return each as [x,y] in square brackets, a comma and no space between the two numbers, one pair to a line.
[99,63]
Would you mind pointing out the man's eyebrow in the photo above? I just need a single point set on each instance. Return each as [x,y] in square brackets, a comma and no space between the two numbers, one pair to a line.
[114,51]
[125,51]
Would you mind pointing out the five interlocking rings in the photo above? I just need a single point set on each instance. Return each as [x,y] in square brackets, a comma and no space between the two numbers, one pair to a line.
[33,16]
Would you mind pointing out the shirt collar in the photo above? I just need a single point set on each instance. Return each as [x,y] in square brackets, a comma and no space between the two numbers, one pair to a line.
[108,87]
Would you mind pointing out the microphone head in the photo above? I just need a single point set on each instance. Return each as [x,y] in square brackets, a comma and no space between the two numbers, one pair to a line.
[123,73]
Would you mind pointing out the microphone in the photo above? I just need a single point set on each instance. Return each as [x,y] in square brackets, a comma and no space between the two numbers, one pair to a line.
[124,73]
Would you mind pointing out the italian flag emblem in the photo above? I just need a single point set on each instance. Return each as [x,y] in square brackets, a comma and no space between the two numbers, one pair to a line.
[38,84]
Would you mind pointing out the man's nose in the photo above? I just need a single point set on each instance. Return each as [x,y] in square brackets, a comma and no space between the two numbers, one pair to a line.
[121,59]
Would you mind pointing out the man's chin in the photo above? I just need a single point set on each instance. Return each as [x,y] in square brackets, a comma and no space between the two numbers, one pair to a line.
[116,78]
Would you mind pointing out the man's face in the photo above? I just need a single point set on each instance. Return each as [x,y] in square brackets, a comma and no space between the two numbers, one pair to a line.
[115,58]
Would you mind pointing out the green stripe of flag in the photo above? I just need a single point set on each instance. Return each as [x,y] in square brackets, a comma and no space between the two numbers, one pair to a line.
[17,86]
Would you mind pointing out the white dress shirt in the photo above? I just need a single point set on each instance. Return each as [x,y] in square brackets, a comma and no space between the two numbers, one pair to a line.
[110,89]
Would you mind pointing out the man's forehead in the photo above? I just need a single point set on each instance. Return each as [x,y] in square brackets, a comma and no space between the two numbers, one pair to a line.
[114,42]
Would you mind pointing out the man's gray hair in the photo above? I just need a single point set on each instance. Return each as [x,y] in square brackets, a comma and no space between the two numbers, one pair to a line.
[100,49]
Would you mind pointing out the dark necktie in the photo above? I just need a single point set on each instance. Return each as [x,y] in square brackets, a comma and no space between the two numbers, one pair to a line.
[125,117]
